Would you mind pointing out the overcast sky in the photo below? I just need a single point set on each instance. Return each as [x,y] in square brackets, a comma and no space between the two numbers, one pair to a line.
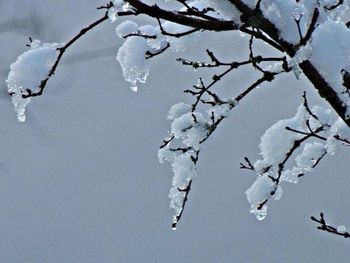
[80,180]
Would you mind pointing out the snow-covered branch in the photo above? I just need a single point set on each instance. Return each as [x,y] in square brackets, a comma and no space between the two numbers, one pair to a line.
[315,20]
[32,70]
[311,38]
[281,142]
[192,128]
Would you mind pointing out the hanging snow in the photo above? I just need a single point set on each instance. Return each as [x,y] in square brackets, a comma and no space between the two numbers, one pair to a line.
[28,71]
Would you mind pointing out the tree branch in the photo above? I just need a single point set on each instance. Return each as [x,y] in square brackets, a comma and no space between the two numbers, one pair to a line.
[176,17]
[324,89]
[63,49]
[186,191]
[324,226]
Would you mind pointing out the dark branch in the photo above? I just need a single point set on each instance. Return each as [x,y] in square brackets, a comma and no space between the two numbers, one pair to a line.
[150,54]
[343,140]
[329,8]
[311,28]
[215,122]
[177,35]
[176,17]
[178,217]
[63,49]
[139,34]
[248,165]
[324,226]
[323,87]
[107,6]
[306,105]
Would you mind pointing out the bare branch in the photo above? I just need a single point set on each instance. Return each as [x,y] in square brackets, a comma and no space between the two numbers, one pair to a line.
[107,6]
[306,105]
[343,140]
[248,165]
[311,28]
[324,226]
[139,34]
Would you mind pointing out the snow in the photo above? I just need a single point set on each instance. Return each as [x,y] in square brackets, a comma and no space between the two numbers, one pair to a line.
[275,144]
[126,27]
[28,71]
[131,56]
[339,128]
[112,14]
[258,193]
[341,229]
[304,53]
[310,154]
[277,67]
[19,103]
[282,13]
[331,61]
[328,50]
[178,110]
[324,117]
[165,154]
[184,170]
[335,14]
[220,110]
[177,44]
[329,47]
[278,193]
[191,128]
[224,10]
[260,190]
[277,140]
[118,6]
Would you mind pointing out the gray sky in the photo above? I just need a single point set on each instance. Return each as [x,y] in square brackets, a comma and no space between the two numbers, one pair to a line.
[80,180]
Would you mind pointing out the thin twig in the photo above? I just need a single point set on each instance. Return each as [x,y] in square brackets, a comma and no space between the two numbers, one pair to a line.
[186,191]
[150,54]
[324,226]
[63,49]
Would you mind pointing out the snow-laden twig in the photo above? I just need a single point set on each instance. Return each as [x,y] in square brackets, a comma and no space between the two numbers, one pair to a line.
[281,142]
[63,49]
[192,129]
[32,70]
